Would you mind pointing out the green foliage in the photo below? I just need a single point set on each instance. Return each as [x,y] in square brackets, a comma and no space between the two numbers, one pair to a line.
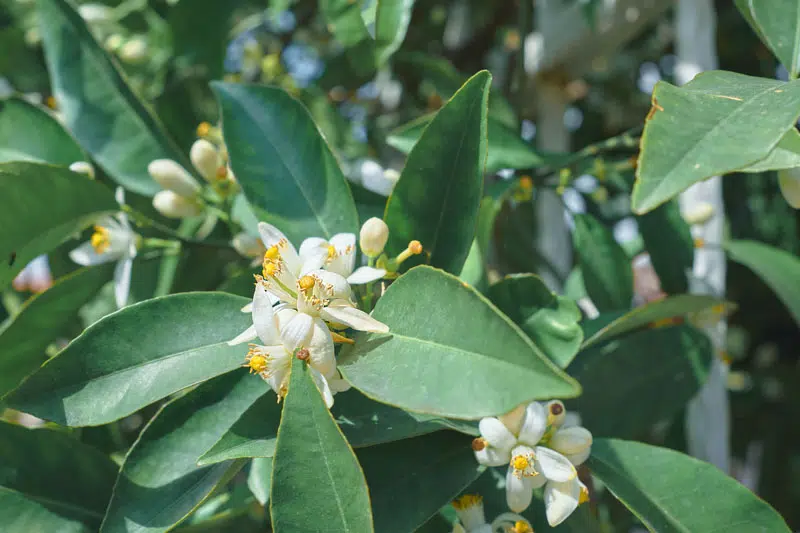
[669,243]
[28,133]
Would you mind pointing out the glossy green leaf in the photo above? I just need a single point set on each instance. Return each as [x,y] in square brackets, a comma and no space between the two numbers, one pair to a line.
[671,307]
[98,106]
[259,479]
[392,18]
[778,23]
[779,269]
[400,501]
[160,483]
[605,266]
[21,515]
[343,19]
[136,356]
[285,167]
[449,352]
[786,154]
[314,463]
[42,206]
[23,338]
[29,133]
[669,243]
[633,382]
[551,321]
[506,148]
[436,199]
[200,34]
[672,492]
[717,123]
[58,472]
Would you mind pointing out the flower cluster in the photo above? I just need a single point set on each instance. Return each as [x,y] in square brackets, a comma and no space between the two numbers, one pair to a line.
[471,518]
[541,449]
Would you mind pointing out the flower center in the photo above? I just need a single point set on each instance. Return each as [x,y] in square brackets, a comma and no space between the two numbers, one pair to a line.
[331,252]
[306,283]
[523,465]
[521,527]
[101,239]
[466,501]
[520,462]
[272,253]
[257,361]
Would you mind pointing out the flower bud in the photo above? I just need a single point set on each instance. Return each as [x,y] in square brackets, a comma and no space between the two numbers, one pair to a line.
[789,181]
[247,245]
[114,42]
[172,205]
[173,177]
[699,214]
[82,167]
[134,51]
[373,237]
[205,159]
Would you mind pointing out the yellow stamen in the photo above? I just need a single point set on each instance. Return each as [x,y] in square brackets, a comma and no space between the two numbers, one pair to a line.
[203,129]
[51,102]
[306,283]
[466,501]
[256,362]
[341,338]
[526,183]
[270,269]
[523,465]
[222,173]
[415,247]
[521,527]
[584,496]
[272,253]
[101,239]
[520,462]
[331,252]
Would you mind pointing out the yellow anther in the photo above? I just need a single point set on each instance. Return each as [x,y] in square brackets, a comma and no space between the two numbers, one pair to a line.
[521,527]
[466,501]
[256,363]
[331,251]
[699,243]
[415,247]
[584,496]
[272,253]
[222,172]
[526,183]
[101,239]
[203,129]
[306,283]
[51,102]
[520,462]
[269,269]
[341,338]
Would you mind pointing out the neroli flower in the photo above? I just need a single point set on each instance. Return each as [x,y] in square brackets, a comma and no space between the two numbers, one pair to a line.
[471,518]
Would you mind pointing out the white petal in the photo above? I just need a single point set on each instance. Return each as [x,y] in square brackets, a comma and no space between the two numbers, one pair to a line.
[505,521]
[458,528]
[365,274]
[553,465]
[122,281]
[264,317]
[496,434]
[579,458]
[345,260]
[560,500]
[534,425]
[354,318]
[272,236]
[490,456]
[337,384]
[245,336]
[320,347]
[119,195]
[279,366]
[519,491]
[86,256]
[571,441]
[322,385]
[296,332]
[285,315]
[313,253]
[247,308]
[336,286]
[514,418]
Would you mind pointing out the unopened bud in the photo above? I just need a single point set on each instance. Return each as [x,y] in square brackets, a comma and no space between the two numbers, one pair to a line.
[247,245]
[699,214]
[789,181]
[373,236]
[172,205]
[134,51]
[95,13]
[114,42]
[205,159]
[173,177]
[82,167]
[555,413]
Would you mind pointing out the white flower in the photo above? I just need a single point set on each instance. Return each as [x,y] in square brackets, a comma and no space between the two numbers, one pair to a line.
[339,256]
[173,177]
[173,205]
[35,277]
[541,450]
[373,236]
[83,167]
[113,240]
[206,159]
[373,177]
[471,518]
[248,246]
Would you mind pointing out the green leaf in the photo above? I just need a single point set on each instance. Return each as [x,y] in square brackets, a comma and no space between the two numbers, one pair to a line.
[449,352]
[51,468]
[400,501]
[671,492]
[343,19]
[436,198]
[160,483]
[21,515]
[200,34]
[98,106]
[633,382]
[45,205]
[314,463]
[779,269]
[285,167]
[669,243]
[778,24]
[785,155]
[670,307]
[259,479]
[717,123]
[24,338]
[605,266]
[551,321]
[136,356]
[392,18]
[506,148]
[29,133]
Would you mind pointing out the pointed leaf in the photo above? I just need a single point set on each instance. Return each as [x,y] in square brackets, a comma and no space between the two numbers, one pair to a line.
[436,199]
[785,155]
[717,123]
[392,18]
[160,483]
[136,356]
[284,165]
[98,106]
[21,515]
[29,133]
[314,463]
[663,488]
[669,243]
[43,205]
[778,22]
[466,360]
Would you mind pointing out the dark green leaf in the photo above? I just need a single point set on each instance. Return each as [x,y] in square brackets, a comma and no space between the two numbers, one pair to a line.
[606,268]
[285,167]
[136,356]
[21,515]
[436,199]
[24,338]
[99,107]
[200,34]
[449,352]
[551,321]
[344,21]
[778,22]
[160,482]
[633,382]
[392,18]
[671,492]
[29,133]
[50,468]
[314,463]
[669,242]
[43,205]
